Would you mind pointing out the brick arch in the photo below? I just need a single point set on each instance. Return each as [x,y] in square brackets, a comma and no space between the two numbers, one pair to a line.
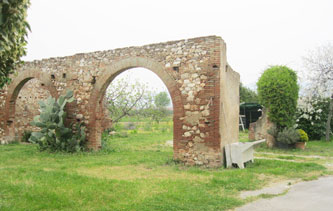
[203,87]
[13,91]
[109,73]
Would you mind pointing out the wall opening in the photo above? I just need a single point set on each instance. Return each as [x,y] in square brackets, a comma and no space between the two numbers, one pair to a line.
[23,106]
[140,107]
[26,106]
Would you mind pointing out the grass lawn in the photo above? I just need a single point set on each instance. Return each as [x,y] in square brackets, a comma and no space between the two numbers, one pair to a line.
[132,173]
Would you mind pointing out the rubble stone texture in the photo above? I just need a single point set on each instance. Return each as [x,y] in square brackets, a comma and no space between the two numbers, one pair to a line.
[27,105]
[203,87]
[258,130]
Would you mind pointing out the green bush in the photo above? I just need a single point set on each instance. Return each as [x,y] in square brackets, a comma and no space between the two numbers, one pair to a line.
[278,92]
[311,116]
[54,135]
[26,135]
[288,136]
[273,131]
[247,95]
[303,135]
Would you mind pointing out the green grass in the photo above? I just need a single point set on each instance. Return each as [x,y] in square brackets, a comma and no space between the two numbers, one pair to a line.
[134,173]
[313,148]
[244,136]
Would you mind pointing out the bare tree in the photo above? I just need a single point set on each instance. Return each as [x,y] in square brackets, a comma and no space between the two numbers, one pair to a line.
[124,96]
[320,66]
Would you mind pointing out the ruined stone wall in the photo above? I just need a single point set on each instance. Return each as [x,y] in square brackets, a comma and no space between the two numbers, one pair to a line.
[258,130]
[27,105]
[191,70]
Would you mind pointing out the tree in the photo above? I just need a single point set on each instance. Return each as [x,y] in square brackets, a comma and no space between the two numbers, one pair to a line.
[13,32]
[161,101]
[278,92]
[320,66]
[247,95]
[125,96]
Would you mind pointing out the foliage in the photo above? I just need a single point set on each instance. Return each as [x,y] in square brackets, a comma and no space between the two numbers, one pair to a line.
[273,131]
[13,32]
[124,96]
[288,136]
[156,113]
[311,116]
[162,100]
[278,92]
[26,135]
[247,95]
[303,136]
[54,135]
[319,63]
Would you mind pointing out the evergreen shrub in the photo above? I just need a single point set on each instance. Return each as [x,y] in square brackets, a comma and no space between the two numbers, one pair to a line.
[278,92]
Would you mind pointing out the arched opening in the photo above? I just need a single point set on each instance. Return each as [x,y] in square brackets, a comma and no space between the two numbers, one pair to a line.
[27,106]
[21,105]
[97,121]
[140,106]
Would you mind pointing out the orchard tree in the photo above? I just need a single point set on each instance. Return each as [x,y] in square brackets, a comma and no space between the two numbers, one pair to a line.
[278,92]
[13,33]
[159,110]
[162,100]
[125,97]
[319,64]
[247,95]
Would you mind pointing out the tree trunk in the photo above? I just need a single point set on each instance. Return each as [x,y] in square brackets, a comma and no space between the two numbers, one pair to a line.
[328,123]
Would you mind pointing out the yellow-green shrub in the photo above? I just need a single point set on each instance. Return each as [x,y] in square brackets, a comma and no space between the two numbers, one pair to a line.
[303,135]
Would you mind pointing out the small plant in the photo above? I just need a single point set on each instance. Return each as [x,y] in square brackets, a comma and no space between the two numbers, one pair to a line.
[26,135]
[273,131]
[288,136]
[133,131]
[105,142]
[148,126]
[303,135]
[117,127]
[54,135]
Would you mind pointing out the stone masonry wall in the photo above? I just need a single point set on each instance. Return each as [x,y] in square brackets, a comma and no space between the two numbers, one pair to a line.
[191,70]
[27,105]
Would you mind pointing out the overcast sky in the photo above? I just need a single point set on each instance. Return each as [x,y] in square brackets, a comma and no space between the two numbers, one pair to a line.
[258,33]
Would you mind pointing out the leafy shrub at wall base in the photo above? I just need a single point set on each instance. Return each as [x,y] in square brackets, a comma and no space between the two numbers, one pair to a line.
[54,135]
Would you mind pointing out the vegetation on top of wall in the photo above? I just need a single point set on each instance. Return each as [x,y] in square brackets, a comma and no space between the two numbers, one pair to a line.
[278,92]
[54,135]
[13,32]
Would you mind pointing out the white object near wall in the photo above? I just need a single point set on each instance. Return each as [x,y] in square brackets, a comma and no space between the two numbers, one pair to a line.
[240,152]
